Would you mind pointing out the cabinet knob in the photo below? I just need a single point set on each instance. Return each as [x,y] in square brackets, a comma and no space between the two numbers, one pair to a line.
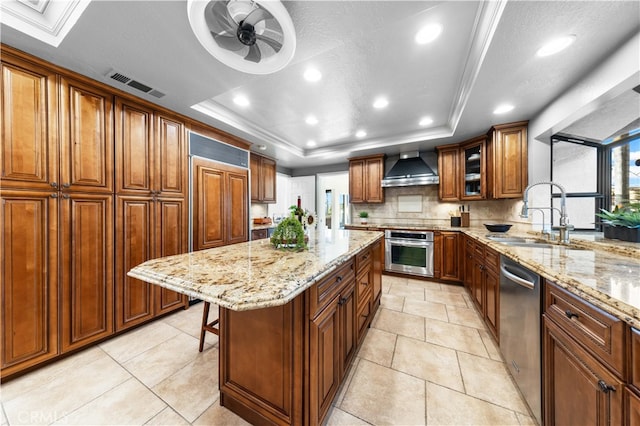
[65,196]
[339,278]
[342,301]
[570,314]
[66,185]
[604,387]
[54,184]
[54,195]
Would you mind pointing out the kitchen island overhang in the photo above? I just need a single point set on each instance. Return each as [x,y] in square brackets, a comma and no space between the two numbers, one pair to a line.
[290,322]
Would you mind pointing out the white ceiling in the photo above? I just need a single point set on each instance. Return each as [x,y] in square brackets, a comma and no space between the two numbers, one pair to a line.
[485,56]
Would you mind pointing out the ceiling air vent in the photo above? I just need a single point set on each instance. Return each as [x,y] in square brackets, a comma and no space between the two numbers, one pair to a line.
[121,78]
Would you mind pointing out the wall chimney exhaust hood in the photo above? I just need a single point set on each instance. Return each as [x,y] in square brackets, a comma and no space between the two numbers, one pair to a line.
[410,170]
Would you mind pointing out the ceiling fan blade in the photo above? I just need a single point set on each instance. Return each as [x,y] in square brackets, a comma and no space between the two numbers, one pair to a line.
[229,42]
[256,16]
[254,54]
[275,45]
[219,14]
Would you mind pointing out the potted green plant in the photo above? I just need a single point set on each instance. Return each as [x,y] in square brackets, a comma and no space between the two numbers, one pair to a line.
[622,223]
[289,235]
[364,216]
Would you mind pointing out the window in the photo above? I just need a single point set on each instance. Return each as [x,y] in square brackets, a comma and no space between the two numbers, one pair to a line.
[595,175]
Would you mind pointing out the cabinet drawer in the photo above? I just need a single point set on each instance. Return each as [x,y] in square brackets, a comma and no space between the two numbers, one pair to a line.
[478,249]
[491,259]
[600,333]
[364,282]
[363,259]
[635,359]
[330,286]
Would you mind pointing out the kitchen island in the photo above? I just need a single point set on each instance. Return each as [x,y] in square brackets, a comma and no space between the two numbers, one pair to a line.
[290,322]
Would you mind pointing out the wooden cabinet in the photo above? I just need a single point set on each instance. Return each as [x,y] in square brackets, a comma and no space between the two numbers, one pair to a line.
[29,296]
[263,179]
[632,407]
[508,175]
[86,268]
[333,342]
[578,389]
[584,361]
[151,206]
[448,245]
[29,120]
[634,370]
[220,204]
[482,280]
[491,166]
[448,172]
[365,179]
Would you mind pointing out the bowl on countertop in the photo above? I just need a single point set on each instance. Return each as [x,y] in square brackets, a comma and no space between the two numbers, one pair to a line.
[497,227]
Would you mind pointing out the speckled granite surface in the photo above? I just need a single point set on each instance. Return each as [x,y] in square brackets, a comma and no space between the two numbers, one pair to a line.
[254,275]
[603,272]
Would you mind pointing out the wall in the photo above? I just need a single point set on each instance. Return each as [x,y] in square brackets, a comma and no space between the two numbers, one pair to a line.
[434,212]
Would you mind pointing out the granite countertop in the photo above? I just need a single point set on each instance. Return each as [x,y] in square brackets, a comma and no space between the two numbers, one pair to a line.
[254,275]
[602,271]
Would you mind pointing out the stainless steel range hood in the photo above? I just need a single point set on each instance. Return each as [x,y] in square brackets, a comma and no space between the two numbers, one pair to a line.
[411,170]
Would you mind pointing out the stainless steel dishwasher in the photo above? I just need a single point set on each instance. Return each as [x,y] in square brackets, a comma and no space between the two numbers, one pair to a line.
[520,321]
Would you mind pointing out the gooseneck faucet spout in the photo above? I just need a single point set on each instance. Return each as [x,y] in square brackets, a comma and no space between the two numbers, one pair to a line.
[564,219]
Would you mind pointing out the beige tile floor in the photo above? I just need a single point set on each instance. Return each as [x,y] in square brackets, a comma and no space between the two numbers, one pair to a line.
[427,359]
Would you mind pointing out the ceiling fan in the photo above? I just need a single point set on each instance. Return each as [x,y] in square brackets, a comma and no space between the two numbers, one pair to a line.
[255,37]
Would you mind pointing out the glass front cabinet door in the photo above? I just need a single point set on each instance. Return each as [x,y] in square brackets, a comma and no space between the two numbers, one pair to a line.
[474,174]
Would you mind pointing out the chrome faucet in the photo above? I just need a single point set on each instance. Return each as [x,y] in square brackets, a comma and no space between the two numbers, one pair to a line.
[564,219]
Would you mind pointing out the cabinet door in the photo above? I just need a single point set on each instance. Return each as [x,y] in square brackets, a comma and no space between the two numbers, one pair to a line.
[378,262]
[134,245]
[450,269]
[86,268]
[255,178]
[374,170]
[448,172]
[477,284]
[473,170]
[171,173]
[86,129]
[237,214]
[468,264]
[324,369]
[29,126]
[29,296]
[578,389]
[170,227]
[492,302]
[208,205]
[635,358]
[357,181]
[510,161]
[134,148]
[268,180]
[632,404]
[348,328]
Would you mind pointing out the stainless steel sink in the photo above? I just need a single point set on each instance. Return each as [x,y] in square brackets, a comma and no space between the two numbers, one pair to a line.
[529,242]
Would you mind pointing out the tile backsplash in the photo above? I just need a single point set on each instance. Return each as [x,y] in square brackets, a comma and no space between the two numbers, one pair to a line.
[435,212]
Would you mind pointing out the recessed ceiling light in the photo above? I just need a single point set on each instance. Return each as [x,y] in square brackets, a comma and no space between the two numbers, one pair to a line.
[428,33]
[425,121]
[312,75]
[311,143]
[311,120]
[502,109]
[380,103]
[556,45]
[361,134]
[241,100]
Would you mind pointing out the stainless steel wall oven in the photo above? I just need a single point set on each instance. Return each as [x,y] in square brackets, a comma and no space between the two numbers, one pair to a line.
[409,252]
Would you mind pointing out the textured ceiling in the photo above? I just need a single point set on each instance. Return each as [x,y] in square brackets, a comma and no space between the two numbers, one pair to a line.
[485,56]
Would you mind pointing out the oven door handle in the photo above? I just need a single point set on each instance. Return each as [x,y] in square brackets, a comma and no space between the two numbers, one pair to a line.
[409,243]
